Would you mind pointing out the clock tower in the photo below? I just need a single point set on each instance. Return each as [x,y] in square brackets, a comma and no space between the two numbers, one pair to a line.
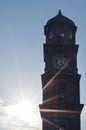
[61,106]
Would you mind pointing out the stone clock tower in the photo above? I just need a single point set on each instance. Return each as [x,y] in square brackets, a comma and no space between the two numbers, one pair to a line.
[61,106]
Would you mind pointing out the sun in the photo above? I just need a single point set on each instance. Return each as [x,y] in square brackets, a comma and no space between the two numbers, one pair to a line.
[23,110]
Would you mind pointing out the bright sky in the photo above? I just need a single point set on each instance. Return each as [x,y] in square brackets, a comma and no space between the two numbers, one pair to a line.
[21,57]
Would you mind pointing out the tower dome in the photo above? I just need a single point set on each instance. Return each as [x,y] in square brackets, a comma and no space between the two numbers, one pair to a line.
[60,30]
[60,19]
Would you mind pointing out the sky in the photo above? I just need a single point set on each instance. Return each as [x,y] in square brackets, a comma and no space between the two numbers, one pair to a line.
[21,58]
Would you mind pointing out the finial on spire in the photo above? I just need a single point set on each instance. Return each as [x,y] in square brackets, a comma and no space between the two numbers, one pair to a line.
[59,12]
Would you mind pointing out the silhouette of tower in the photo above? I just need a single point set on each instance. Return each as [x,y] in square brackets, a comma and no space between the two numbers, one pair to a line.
[61,106]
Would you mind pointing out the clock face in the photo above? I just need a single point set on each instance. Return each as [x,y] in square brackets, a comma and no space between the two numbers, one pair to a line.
[59,62]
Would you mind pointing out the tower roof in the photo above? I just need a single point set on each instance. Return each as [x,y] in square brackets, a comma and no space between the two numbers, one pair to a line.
[60,19]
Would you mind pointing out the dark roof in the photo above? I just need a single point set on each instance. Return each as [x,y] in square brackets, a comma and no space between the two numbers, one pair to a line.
[60,19]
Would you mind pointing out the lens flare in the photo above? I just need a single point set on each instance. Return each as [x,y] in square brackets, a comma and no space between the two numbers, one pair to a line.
[24,110]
